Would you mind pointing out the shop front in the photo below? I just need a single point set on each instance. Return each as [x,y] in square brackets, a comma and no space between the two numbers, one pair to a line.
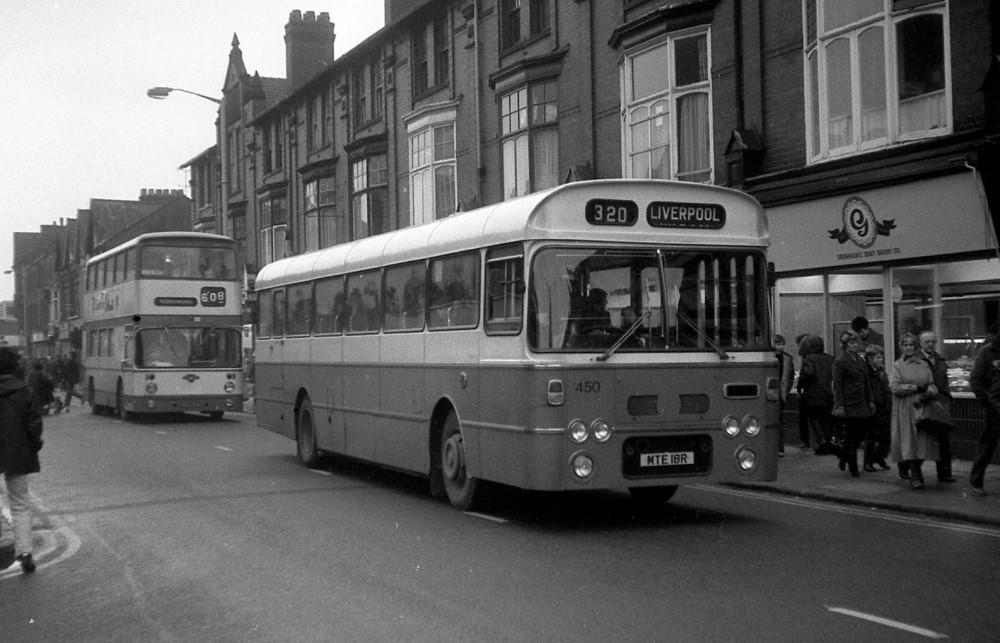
[913,256]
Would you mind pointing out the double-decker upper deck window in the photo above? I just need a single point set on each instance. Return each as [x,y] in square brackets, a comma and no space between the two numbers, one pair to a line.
[858,98]
[186,262]
[667,126]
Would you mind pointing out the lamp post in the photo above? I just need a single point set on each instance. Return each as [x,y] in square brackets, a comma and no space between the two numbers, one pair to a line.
[159,93]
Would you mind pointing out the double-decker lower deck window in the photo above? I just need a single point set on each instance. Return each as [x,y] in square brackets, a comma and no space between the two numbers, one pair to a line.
[589,298]
[188,347]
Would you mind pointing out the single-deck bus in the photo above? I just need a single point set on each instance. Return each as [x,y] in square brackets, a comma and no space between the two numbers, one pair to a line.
[162,326]
[608,334]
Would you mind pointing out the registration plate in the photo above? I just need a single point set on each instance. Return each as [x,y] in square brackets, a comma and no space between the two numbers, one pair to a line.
[666,459]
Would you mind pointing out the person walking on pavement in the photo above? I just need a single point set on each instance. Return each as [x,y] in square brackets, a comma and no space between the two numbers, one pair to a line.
[853,399]
[786,372]
[71,377]
[20,442]
[879,437]
[816,393]
[984,381]
[42,387]
[939,369]
[911,382]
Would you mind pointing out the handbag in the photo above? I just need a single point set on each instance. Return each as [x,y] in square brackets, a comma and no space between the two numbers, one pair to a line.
[932,416]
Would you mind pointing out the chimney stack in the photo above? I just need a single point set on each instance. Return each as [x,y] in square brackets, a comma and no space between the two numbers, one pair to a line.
[308,45]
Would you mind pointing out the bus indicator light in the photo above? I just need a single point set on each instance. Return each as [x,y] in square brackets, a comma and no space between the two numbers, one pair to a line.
[556,396]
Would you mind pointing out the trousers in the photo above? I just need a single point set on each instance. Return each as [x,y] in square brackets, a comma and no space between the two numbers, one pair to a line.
[987,445]
[20,512]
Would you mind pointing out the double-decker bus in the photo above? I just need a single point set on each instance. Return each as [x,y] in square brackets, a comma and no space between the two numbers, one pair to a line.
[162,326]
[608,334]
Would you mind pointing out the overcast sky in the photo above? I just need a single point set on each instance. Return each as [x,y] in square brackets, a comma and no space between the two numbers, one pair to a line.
[75,119]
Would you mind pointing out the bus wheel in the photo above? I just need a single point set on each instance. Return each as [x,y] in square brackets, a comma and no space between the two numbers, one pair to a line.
[120,409]
[305,435]
[463,490]
[652,496]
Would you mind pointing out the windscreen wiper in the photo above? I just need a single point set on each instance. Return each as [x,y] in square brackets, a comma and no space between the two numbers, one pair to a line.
[624,338]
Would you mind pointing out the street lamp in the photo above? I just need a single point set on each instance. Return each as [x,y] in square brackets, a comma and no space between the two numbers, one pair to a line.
[159,93]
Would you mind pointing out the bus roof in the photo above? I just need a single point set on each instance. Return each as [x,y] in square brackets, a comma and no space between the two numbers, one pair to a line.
[557,213]
[162,236]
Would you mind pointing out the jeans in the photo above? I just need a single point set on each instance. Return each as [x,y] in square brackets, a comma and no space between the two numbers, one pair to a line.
[20,512]
[987,445]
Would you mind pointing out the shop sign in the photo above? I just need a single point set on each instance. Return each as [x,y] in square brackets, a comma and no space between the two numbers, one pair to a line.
[925,219]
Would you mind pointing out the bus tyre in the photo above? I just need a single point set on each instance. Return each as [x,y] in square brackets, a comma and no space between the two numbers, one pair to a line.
[305,435]
[463,490]
[651,497]
[120,409]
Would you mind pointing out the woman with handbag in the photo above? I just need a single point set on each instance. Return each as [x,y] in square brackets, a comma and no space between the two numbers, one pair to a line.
[912,383]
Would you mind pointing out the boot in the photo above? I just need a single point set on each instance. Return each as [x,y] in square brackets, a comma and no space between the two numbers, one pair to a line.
[916,475]
[944,471]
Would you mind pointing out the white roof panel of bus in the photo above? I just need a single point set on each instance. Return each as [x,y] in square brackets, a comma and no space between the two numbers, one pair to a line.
[541,215]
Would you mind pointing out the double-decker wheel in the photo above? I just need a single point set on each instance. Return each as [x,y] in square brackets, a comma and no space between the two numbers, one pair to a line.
[463,490]
[305,435]
[652,496]
[120,409]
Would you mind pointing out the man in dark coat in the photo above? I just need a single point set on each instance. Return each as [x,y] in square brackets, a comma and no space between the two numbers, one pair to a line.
[853,398]
[20,442]
[816,393]
[985,383]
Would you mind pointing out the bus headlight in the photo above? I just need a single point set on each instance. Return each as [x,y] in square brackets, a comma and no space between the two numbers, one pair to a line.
[746,460]
[578,431]
[583,466]
[150,388]
[731,426]
[229,387]
[601,430]
[751,426]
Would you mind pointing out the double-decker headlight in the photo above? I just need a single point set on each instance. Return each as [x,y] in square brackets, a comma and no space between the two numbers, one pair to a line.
[151,388]
[229,387]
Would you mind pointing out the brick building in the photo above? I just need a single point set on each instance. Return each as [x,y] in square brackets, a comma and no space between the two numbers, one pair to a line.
[868,129]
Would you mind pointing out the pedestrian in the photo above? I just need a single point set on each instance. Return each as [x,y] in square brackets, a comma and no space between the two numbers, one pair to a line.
[20,442]
[911,382]
[803,421]
[71,377]
[880,434]
[869,336]
[984,380]
[786,370]
[42,387]
[816,392]
[853,399]
[939,369]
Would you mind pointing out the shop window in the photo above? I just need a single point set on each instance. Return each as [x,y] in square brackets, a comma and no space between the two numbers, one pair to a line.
[875,76]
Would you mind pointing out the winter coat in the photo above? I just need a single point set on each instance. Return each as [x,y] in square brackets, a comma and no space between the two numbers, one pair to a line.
[816,374]
[909,443]
[883,396]
[42,387]
[984,380]
[852,389]
[20,428]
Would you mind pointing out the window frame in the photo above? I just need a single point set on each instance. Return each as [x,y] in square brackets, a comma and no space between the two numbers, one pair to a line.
[816,43]
[672,95]
[515,126]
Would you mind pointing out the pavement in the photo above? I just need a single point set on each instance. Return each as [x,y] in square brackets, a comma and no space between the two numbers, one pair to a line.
[803,474]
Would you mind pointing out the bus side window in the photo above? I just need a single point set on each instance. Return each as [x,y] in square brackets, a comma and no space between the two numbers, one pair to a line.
[329,302]
[265,311]
[504,294]
[299,309]
[278,315]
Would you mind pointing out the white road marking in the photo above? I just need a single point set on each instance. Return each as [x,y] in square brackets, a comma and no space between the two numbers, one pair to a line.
[321,472]
[496,519]
[869,512]
[223,448]
[906,627]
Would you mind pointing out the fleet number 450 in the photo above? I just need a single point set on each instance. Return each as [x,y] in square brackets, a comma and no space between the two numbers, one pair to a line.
[588,387]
